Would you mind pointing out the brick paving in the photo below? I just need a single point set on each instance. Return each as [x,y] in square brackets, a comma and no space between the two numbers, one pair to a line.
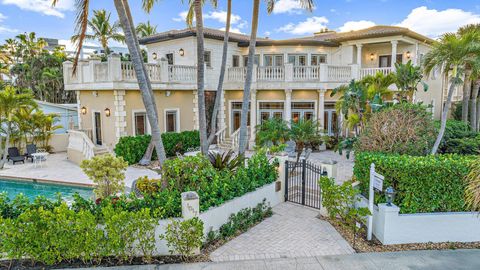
[293,231]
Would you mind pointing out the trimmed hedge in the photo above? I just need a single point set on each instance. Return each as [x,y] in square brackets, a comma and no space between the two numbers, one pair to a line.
[423,184]
[132,148]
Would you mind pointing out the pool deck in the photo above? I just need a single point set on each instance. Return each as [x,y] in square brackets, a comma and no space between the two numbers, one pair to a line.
[58,169]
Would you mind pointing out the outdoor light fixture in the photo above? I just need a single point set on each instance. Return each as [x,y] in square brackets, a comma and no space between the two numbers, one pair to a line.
[181,52]
[168,93]
[154,56]
[372,56]
[107,112]
[83,110]
[389,195]
[408,54]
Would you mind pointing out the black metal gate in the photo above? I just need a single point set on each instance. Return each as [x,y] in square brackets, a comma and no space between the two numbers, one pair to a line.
[301,183]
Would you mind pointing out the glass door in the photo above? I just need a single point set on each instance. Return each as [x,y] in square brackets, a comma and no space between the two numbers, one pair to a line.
[270,110]
[236,116]
[303,111]
[98,128]
[331,122]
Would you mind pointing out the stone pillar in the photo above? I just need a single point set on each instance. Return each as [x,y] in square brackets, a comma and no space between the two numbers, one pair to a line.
[281,178]
[79,108]
[394,52]
[288,72]
[120,114]
[190,205]
[114,67]
[359,55]
[321,109]
[164,77]
[196,121]
[253,117]
[288,105]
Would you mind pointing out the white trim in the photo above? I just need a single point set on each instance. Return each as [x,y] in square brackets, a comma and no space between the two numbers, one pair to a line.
[177,124]
[230,115]
[94,127]
[134,130]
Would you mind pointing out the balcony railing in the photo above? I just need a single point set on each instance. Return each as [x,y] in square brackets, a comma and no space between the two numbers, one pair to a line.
[372,71]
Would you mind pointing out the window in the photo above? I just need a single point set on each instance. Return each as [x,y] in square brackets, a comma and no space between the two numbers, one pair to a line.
[273,60]
[236,115]
[169,58]
[256,60]
[235,61]
[270,110]
[297,59]
[140,122]
[171,121]
[386,60]
[318,59]
[303,111]
[208,58]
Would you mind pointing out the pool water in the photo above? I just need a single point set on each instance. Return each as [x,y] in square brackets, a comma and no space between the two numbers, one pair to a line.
[33,189]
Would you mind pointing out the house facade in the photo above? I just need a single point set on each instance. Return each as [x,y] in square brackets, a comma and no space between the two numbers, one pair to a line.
[292,79]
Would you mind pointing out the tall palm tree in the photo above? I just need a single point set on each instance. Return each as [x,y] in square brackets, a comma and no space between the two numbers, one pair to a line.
[146,29]
[131,40]
[103,30]
[378,84]
[352,104]
[407,79]
[452,53]
[307,4]
[475,92]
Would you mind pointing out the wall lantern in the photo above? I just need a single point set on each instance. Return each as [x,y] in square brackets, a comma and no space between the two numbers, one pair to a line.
[181,52]
[389,195]
[408,55]
[154,56]
[107,112]
[83,110]
[372,56]
[168,93]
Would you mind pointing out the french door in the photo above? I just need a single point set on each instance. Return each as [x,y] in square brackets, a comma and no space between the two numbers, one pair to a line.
[270,110]
[331,122]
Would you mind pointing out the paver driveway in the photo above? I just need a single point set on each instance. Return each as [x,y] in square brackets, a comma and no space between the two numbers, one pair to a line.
[293,231]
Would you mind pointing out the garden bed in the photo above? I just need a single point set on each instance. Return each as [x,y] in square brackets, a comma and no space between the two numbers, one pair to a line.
[361,245]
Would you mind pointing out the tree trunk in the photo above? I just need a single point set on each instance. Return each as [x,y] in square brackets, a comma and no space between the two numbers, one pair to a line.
[5,152]
[478,115]
[444,115]
[218,97]
[243,140]
[147,156]
[474,106]
[467,89]
[144,84]
[202,118]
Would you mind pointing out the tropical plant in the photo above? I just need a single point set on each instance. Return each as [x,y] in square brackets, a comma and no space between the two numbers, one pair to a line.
[145,29]
[377,85]
[227,160]
[472,193]
[451,54]
[352,103]
[304,133]
[407,79]
[184,237]
[308,5]
[272,132]
[107,172]
[103,30]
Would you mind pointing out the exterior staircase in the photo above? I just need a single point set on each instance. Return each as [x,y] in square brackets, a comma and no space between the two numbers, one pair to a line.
[101,150]
[80,147]
[230,143]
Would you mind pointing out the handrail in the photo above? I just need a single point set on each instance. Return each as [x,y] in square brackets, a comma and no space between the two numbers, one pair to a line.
[236,137]
[78,140]
[221,135]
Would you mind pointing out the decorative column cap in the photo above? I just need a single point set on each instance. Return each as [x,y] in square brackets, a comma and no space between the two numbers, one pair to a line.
[288,91]
[394,42]
[322,91]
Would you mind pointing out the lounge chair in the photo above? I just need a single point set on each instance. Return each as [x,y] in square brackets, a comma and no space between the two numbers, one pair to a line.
[14,155]
[31,149]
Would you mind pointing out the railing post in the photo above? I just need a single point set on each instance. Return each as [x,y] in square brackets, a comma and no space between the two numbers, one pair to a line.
[254,73]
[286,180]
[288,72]
[91,70]
[67,74]
[323,73]
[355,72]
[114,67]
[304,168]
[163,70]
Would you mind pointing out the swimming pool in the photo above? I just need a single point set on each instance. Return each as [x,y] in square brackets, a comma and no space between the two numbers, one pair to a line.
[32,189]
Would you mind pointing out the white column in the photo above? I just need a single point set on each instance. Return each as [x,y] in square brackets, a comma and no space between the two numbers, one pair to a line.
[221,111]
[394,52]
[359,55]
[196,120]
[321,109]
[415,57]
[288,105]
[79,108]
[120,114]
[253,117]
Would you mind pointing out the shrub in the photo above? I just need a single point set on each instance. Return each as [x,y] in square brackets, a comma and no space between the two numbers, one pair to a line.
[433,183]
[403,129]
[108,172]
[464,146]
[227,160]
[458,138]
[473,189]
[148,186]
[184,237]
[132,148]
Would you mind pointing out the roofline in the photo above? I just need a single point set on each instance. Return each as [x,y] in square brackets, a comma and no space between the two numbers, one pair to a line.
[172,36]
[404,31]
[298,42]
[63,106]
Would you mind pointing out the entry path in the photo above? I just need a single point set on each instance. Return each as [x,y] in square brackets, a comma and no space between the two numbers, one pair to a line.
[293,231]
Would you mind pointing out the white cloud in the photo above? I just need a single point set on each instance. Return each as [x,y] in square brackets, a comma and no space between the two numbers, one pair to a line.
[288,6]
[5,29]
[43,6]
[182,16]
[233,30]
[433,23]
[221,16]
[310,26]
[267,33]
[355,25]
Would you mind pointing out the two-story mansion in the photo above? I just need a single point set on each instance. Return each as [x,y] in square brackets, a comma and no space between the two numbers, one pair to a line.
[292,79]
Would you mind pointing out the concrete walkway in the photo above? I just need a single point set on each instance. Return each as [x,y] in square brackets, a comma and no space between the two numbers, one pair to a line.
[293,231]
[419,260]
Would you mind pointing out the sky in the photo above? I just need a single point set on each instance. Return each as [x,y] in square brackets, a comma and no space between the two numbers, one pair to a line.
[428,17]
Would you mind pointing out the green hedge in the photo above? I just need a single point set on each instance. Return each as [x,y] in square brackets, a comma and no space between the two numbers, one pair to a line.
[423,184]
[132,148]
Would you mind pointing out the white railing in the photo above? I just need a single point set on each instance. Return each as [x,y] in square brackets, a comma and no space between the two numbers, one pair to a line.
[306,73]
[372,71]
[153,71]
[79,141]
[236,74]
[221,135]
[128,72]
[236,137]
[101,72]
[271,73]
[182,73]
[339,73]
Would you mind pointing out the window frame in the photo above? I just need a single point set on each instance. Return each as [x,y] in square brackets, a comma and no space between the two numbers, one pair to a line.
[177,119]
[235,58]
[318,56]
[209,54]
[134,122]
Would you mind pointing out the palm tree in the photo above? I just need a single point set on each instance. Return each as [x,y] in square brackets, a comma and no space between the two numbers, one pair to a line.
[146,29]
[407,79]
[103,30]
[452,53]
[10,102]
[307,4]
[378,84]
[131,40]
[474,105]
[352,104]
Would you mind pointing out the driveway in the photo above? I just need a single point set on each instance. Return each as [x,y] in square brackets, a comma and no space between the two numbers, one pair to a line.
[293,231]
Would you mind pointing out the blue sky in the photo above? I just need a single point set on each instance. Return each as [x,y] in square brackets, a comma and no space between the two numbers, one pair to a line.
[429,17]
